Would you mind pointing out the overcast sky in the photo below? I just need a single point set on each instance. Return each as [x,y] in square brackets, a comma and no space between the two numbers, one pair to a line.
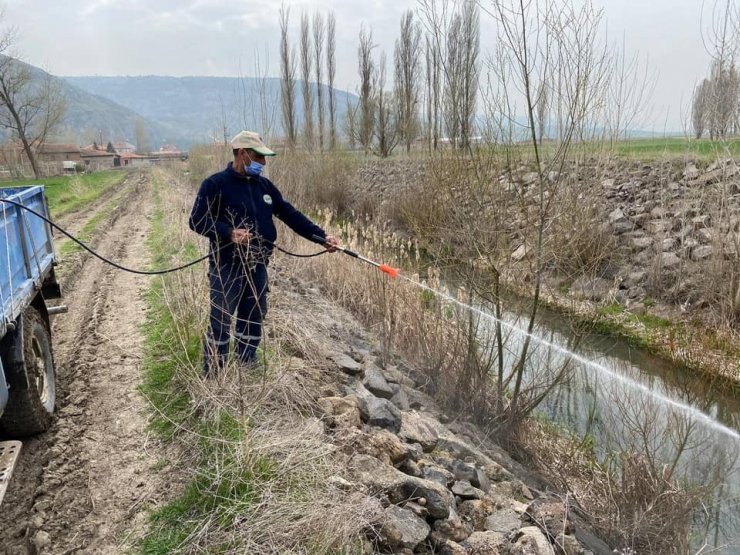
[220,37]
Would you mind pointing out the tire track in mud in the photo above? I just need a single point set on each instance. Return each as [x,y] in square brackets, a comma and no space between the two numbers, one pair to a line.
[81,482]
[75,220]
[70,265]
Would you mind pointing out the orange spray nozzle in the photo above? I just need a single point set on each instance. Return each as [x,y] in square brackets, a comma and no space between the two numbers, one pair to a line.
[393,272]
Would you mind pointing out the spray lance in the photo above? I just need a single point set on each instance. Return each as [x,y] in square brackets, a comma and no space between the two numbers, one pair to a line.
[393,272]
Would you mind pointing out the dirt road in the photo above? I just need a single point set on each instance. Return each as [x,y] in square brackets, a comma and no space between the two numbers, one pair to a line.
[78,487]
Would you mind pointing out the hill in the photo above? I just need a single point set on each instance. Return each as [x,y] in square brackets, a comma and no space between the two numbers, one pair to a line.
[89,116]
[199,108]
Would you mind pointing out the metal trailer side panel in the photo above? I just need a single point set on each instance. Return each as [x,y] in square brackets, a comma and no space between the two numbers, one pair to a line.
[26,253]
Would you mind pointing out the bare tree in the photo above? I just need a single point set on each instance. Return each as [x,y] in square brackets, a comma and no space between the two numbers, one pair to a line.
[366,68]
[408,70]
[31,106]
[724,93]
[722,41]
[306,59]
[331,70]
[433,93]
[461,72]
[699,109]
[542,110]
[386,124]
[141,137]
[287,80]
[470,49]
[318,46]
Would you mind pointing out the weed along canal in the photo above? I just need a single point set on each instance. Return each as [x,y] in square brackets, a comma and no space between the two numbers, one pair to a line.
[617,399]
[650,423]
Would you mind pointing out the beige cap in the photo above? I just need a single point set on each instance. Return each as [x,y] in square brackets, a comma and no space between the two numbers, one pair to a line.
[252,141]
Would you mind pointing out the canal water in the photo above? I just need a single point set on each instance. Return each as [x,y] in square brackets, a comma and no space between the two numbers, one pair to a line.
[618,396]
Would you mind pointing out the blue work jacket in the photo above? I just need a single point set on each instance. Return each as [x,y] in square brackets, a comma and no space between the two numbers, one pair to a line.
[228,200]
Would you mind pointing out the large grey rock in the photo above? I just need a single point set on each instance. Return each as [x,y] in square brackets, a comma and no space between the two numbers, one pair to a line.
[641,243]
[634,279]
[453,527]
[705,236]
[504,521]
[380,412]
[394,375]
[400,399]
[520,253]
[347,364]
[341,411]
[476,512]
[437,474]
[400,487]
[656,227]
[551,516]
[466,490]
[702,253]
[669,261]
[419,428]
[485,543]
[382,445]
[443,546]
[376,383]
[401,528]
[531,541]
[496,468]
[616,215]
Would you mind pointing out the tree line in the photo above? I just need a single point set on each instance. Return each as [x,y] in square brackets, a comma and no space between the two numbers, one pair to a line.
[716,101]
[435,70]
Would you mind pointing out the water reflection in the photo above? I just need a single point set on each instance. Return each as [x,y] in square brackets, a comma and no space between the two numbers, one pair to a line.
[627,399]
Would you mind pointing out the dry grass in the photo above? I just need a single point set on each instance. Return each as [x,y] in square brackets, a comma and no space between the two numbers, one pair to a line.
[261,481]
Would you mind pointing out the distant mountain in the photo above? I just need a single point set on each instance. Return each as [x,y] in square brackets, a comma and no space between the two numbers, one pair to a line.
[198,108]
[88,117]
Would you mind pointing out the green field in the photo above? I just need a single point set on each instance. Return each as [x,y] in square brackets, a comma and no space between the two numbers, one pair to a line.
[70,193]
[655,148]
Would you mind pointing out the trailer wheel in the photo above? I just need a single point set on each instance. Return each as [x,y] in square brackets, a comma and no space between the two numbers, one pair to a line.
[29,409]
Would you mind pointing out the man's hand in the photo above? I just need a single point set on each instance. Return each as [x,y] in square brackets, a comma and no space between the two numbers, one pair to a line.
[331,243]
[240,236]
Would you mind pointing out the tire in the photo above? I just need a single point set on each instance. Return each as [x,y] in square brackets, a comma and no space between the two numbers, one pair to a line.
[29,410]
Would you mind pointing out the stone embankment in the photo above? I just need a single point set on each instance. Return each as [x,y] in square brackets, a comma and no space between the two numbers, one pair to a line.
[673,227]
[668,222]
[436,488]
[648,239]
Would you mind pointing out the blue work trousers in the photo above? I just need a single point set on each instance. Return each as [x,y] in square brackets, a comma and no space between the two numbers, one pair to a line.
[236,292]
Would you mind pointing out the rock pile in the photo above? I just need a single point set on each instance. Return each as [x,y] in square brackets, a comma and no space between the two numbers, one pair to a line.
[667,221]
[435,491]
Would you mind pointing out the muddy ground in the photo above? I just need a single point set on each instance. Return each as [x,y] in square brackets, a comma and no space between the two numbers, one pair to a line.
[80,487]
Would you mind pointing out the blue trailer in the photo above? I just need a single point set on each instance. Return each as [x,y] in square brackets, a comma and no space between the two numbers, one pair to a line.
[27,282]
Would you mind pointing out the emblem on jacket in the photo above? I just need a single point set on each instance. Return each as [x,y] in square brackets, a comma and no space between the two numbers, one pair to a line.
[267,199]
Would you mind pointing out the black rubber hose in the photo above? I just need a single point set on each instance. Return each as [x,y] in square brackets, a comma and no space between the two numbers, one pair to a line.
[131,270]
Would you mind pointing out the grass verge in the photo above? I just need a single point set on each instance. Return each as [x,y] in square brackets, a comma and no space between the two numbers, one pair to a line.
[254,473]
[67,194]
[88,231]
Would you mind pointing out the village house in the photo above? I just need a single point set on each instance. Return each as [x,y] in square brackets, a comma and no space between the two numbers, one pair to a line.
[96,159]
[51,158]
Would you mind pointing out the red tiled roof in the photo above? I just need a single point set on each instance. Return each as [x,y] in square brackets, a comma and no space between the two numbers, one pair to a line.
[51,147]
[90,153]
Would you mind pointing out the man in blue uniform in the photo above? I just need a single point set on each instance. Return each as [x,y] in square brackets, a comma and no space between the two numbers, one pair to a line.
[234,209]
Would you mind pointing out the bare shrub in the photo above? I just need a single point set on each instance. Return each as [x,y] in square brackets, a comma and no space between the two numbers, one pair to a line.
[203,160]
[580,238]
[622,495]
[262,464]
